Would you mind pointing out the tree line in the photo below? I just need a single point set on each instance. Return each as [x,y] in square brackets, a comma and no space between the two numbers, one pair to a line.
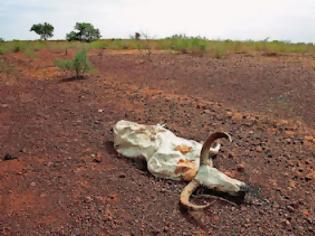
[82,32]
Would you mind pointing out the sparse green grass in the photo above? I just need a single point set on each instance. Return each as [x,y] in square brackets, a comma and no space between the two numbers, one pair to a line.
[79,65]
[187,45]
[29,47]
[181,44]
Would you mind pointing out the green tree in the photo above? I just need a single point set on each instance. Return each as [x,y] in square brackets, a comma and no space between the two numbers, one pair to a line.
[84,32]
[137,36]
[44,30]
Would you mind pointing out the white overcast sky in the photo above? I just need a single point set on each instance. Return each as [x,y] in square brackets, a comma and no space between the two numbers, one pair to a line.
[292,20]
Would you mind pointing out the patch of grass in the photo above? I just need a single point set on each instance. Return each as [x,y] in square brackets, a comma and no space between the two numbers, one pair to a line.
[79,65]
[29,47]
[98,44]
[183,44]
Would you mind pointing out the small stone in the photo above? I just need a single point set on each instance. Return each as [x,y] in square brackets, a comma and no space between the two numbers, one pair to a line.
[88,199]
[33,184]
[287,222]
[290,208]
[8,157]
[241,167]
[50,163]
[97,159]
[288,141]
[122,176]
[100,110]
[268,153]
[22,150]
[259,149]
[4,105]
[231,155]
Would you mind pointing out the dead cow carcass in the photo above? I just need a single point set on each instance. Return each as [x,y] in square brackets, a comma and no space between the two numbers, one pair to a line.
[172,157]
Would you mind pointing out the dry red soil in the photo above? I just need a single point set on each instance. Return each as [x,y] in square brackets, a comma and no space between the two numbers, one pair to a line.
[66,178]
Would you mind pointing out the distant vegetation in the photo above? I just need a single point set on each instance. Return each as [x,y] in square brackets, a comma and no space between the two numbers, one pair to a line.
[44,30]
[84,32]
[177,43]
[202,46]
[79,65]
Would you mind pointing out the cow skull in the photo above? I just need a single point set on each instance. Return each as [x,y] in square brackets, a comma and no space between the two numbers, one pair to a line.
[171,157]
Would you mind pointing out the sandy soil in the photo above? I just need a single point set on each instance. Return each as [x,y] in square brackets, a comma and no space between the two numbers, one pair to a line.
[65,178]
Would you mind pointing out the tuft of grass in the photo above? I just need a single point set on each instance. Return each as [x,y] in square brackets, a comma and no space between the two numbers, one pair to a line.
[98,44]
[79,65]
[183,44]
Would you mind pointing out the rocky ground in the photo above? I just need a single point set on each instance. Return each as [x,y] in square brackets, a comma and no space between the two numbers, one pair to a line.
[59,173]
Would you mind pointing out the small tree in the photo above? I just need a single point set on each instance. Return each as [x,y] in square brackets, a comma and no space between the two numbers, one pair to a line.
[84,32]
[72,36]
[137,36]
[44,30]
[80,64]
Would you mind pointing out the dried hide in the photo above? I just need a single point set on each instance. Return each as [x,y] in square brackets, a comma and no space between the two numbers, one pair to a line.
[172,157]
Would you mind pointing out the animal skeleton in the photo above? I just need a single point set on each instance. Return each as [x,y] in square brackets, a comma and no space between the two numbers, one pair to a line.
[172,157]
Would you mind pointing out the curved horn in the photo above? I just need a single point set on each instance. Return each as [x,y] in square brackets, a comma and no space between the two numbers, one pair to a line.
[186,193]
[204,155]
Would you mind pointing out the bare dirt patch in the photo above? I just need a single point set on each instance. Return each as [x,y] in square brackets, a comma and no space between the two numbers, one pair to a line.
[68,180]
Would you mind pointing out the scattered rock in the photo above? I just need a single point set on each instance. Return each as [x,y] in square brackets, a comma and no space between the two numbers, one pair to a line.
[23,150]
[259,149]
[231,155]
[8,157]
[88,199]
[122,176]
[241,167]
[4,105]
[207,111]
[97,159]
[50,163]
[286,222]
[268,154]
[310,176]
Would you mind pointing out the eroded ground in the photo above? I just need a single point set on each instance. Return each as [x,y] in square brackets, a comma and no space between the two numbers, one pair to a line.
[67,179]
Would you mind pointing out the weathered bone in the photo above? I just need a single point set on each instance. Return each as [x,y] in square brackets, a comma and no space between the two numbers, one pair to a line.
[172,157]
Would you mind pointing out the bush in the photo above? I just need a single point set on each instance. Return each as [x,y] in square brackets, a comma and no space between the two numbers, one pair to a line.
[79,64]
[16,48]
[193,45]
